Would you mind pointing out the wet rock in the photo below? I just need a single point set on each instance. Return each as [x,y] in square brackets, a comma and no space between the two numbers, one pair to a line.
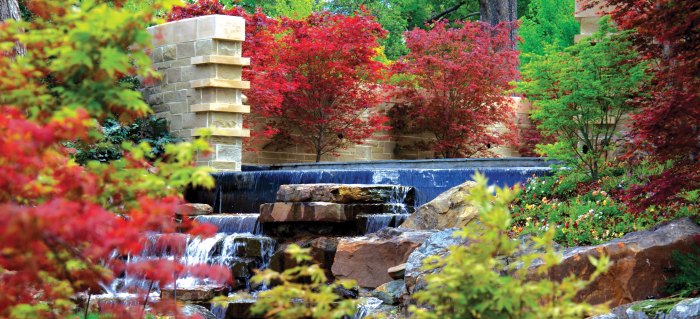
[194,209]
[345,193]
[437,244]
[254,246]
[240,309]
[391,293]
[450,209]
[366,259]
[638,267]
[685,309]
[323,251]
[322,211]
[202,293]
[397,272]
[196,310]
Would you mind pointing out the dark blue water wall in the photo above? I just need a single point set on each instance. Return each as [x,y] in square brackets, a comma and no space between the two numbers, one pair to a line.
[243,192]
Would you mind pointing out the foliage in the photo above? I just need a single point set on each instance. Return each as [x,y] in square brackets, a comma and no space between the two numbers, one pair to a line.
[548,23]
[686,279]
[315,76]
[581,95]
[583,211]
[655,307]
[454,82]
[151,130]
[62,222]
[472,284]
[667,34]
[302,292]
[295,9]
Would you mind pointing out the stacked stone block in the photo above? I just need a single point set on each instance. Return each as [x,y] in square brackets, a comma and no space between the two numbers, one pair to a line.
[201,86]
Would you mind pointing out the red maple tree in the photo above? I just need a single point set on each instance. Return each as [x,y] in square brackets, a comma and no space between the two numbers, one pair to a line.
[314,80]
[667,126]
[455,81]
[65,228]
[667,34]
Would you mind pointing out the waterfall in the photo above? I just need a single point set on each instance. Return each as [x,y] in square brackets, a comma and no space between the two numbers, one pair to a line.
[377,222]
[233,223]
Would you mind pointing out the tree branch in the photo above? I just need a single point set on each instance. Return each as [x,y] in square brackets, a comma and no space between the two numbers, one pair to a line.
[447,11]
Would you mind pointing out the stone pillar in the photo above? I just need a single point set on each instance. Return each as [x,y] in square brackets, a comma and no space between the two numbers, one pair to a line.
[200,60]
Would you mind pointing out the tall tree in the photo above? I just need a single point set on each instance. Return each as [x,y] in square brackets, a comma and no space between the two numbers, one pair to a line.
[454,82]
[494,12]
[9,9]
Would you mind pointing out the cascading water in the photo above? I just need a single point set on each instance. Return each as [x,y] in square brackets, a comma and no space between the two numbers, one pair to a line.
[233,223]
[245,191]
[399,211]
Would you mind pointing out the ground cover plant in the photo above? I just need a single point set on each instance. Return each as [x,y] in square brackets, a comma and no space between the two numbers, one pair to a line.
[62,222]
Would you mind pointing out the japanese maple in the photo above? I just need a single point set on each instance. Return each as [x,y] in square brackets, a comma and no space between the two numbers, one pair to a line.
[668,34]
[62,223]
[455,81]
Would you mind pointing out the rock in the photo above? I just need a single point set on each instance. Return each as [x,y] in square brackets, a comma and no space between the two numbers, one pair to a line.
[685,309]
[397,272]
[196,310]
[638,263]
[391,293]
[366,259]
[322,211]
[346,193]
[202,293]
[437,244]
[450,209]
[194,209]
[240,309]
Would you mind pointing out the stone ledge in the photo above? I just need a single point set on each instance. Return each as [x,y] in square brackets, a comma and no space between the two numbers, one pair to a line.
[220,59]
[220,107]
[319,211]
[220,83]
[227,132]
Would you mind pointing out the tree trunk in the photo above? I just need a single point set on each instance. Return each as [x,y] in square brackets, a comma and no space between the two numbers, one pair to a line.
[9,9]
[496,11]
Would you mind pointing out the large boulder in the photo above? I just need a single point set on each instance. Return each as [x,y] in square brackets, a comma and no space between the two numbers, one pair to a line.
[437,244]
[346,193]
[366,259]
[450,209]
[638,267]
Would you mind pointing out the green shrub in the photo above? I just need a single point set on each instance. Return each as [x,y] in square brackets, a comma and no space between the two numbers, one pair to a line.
[686,281]
[151,129]
[302,292]
[475,283]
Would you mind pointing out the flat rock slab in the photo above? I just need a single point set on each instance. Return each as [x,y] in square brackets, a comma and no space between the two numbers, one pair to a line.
[367,259]
[194,209]
[320,211]
[346,193]
[201,293]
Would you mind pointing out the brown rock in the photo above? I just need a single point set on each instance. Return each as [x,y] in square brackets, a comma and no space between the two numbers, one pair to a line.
[345,193]
[638,263]
[366,259]
[450,209]
[318,211]
[191,209]
[397,272]
[201,293]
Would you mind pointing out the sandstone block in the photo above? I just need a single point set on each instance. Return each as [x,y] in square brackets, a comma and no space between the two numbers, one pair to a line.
[450,209]
[346,193]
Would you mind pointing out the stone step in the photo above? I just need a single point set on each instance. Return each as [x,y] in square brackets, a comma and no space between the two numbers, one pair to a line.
[346,193]
[322,211]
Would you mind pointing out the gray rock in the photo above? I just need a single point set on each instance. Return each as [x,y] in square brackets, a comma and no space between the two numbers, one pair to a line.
[685,309]
[391,293]
[192,310]
[449,210]
[437,244]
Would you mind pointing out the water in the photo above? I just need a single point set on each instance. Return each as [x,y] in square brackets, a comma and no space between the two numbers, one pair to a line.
[233,223]
[377,222]
[246,191]
[366,306]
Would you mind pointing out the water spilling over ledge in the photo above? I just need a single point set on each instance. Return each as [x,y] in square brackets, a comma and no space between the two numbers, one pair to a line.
[245,191]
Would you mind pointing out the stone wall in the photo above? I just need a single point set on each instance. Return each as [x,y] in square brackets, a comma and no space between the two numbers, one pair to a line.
[383,145]
[200,62]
